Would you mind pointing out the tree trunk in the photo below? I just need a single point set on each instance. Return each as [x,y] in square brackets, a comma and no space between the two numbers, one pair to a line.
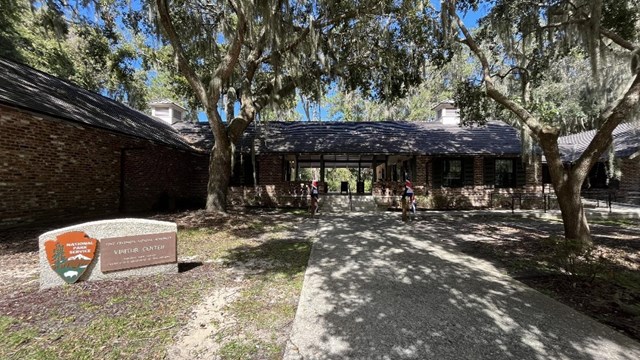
[576,228]
[219,176]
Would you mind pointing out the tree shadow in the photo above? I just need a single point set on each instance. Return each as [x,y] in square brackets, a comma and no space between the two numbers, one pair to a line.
[287,257]
[382,289]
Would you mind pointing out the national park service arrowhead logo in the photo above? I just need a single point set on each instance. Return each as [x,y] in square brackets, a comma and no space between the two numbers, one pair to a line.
[70,254]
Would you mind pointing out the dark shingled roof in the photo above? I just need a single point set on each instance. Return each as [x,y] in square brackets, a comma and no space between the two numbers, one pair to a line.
[197,134]
[383,137]
[388,137]
[626,142]
[26,88]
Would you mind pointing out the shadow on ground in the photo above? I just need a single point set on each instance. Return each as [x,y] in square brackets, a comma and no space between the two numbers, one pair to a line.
[377,288]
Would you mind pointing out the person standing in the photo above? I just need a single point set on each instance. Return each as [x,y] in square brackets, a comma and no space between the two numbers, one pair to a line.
[408,200]
[315,197]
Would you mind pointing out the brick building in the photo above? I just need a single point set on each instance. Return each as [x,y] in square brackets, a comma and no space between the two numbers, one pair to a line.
[619,177]
[67,153]
[449,166]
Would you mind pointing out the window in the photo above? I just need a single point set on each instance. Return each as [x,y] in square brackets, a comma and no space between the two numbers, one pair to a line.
[505,174]
[161,111]
[289,170]
[177,115]
[452,173]
[597,178]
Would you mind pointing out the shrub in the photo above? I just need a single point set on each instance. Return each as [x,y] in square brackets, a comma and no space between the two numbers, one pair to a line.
[570,256]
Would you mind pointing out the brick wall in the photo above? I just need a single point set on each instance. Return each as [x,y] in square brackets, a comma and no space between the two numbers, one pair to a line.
[163,178]
[52,169]
[273,191]
[630,180]
[478,171]
[270,169]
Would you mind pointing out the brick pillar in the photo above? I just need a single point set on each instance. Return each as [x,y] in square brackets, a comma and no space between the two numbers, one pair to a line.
[478,171]
[429,171]
[421,170]
[420,181]
[270,172]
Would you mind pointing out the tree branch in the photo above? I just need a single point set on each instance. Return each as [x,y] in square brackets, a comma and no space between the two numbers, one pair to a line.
[178,51]
[612,118]
[502,76]
[617,39]
[523,114]
[225,69]
[251,105]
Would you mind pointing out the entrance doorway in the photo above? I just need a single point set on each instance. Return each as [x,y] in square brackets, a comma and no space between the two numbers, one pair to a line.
[341,173]
[357,180]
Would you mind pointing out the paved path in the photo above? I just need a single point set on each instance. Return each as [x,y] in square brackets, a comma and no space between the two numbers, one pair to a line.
[378,289]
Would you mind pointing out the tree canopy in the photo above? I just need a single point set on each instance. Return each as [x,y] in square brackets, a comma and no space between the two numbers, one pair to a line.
[552,67]
[91,51]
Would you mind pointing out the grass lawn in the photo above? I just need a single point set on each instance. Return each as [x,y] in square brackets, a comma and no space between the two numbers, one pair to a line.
[257,259]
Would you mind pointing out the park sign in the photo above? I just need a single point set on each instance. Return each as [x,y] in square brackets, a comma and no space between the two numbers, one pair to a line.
[136,251]
[70,254]
[107,249]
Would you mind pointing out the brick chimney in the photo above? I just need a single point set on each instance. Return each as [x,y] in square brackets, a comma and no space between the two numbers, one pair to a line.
[167,111]
[447,113]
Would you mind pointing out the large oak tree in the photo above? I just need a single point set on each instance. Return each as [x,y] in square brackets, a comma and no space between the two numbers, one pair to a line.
[516,46]
[253,54]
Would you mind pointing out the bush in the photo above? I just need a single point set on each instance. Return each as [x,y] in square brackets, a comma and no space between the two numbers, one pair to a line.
[441,201]
[499,201]
[570,256]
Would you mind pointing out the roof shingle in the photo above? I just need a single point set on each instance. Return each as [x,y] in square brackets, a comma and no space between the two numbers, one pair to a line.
[380,137]
[625,139]
[24,87]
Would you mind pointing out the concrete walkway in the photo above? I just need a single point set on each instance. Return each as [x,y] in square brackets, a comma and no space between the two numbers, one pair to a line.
[376,288]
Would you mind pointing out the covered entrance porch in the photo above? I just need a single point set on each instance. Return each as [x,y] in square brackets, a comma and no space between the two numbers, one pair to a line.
[359,174]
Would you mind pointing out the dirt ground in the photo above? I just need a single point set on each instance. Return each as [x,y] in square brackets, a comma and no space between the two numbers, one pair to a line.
[231,267]
[607,288]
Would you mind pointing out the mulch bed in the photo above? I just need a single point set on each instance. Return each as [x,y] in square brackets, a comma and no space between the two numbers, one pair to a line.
[609,293]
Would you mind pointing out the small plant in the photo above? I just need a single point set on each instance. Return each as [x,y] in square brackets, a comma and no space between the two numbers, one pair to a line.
[570,255]
[424,202]
[500,201]
[441,201]
[530,203]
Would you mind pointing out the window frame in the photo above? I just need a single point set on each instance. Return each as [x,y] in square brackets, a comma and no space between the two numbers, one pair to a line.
[448,181]
[499,179]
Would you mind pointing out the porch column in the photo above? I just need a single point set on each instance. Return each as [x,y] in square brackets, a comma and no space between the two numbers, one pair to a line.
[297,177]
[322,168]
[375,173]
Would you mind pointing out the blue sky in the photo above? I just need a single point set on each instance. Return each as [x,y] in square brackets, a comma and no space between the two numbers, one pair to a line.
[470,19]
